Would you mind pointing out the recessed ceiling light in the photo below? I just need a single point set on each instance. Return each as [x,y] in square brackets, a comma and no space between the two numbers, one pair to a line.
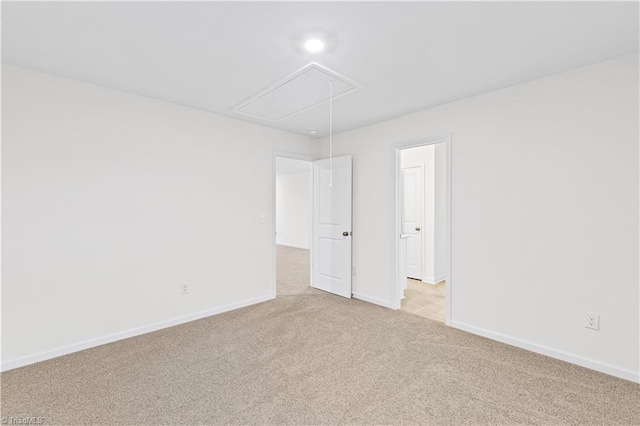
[314,45]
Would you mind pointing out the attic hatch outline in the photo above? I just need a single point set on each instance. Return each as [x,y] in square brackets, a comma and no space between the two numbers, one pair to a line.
[289,78]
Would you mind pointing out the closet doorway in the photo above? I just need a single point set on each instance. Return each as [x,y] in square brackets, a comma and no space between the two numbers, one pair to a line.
[423,224]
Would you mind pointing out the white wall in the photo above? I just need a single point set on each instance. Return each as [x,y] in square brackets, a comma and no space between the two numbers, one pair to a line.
[111,200]
[432,158]
[545,211]
[293,209]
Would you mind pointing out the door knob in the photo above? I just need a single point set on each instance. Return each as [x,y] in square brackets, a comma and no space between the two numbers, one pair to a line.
[417,228]
[345,234]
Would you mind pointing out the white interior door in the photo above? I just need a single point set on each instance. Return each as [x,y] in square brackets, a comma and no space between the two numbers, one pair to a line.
[412,193]
[331,267]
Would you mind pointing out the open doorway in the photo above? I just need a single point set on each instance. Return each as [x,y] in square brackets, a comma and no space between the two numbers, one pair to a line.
[423,228]
[293,222]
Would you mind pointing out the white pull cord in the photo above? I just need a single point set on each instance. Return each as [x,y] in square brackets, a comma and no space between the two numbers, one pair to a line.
[330,133]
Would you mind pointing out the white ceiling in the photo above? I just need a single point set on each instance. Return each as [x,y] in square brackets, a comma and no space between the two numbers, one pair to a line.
[407,56]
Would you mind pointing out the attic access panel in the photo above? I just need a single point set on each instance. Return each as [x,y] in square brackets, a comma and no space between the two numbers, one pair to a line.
[304,89]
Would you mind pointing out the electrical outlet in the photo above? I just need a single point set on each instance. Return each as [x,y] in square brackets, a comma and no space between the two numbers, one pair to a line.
[592,321]
[184,288]
[263,218]
[354,270]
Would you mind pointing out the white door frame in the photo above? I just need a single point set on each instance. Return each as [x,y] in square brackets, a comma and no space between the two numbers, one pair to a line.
[294,156]
[397,286]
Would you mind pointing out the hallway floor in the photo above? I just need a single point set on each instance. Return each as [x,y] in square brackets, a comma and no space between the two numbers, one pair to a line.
[426,300]
[293,271]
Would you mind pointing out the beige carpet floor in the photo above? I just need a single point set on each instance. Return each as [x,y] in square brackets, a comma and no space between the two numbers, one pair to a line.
[309,357]
[293,271]
[426,300]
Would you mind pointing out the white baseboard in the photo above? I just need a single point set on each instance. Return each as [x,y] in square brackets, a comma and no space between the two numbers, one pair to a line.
[87,344]
[433,281]
[602,367]
[291,245]
[373,300]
